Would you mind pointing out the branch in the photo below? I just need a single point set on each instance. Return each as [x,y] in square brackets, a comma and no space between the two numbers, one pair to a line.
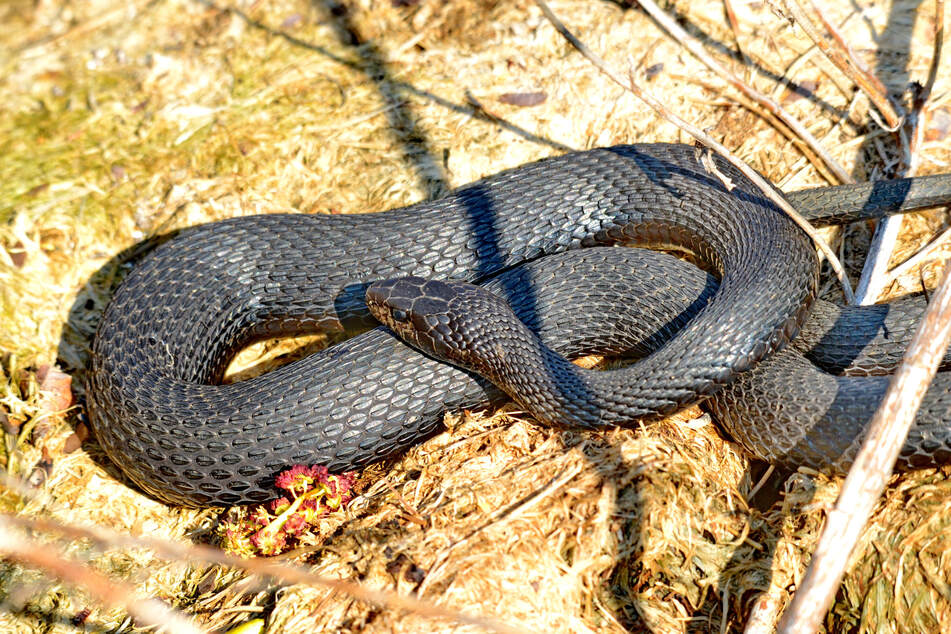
[854,60]
[874,274]
[735,25]
[282,572]
[146,612]
[704,138]
[925,94]
[873,466]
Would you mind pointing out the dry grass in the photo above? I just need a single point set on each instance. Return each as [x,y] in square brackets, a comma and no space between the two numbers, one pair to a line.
[124,120]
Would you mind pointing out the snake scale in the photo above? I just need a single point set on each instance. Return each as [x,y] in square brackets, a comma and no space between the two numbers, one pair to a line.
[166,337]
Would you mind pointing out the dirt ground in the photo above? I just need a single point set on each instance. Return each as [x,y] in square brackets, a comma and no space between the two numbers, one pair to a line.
[124,120]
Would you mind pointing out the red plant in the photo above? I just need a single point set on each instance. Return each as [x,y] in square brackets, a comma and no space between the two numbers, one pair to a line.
[272,528]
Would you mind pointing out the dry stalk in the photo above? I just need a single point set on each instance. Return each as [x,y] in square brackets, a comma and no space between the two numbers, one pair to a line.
[854,59]
[125,9]
[873,275]
[749,104]
[735,26]
[632,86]
[873,466]
[875,271]
[146,612]
[918,105]
[282,572]
[691,44]
[936,55]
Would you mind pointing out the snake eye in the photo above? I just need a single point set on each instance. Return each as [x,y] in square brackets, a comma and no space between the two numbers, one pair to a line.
[399,315]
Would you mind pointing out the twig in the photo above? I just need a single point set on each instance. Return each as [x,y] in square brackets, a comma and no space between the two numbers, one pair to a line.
[872,88]
[89,25]
[765,610]
[704,138]
[859,65]
[146,612]
[873,465]
[282,572]
[749,104]
[886,233]
[925,94]
[694,46]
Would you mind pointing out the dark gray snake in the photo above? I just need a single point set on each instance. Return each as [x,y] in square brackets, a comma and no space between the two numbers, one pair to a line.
[166,337]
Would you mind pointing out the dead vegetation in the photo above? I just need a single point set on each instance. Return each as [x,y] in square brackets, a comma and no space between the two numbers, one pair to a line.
[125,120]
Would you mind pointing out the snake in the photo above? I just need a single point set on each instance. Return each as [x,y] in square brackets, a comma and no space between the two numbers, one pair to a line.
[154,388]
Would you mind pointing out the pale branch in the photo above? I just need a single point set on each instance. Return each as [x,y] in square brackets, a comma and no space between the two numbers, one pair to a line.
[875,271]
[922,98]
[873,466]
[936,54]
[146,612]
[696,49]
[807,154]
[282,572]
[735,26]
[632,86]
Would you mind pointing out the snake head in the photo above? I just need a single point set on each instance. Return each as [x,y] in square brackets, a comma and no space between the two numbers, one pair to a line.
[446,320]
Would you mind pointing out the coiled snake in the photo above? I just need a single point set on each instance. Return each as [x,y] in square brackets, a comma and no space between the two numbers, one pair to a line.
[171,328]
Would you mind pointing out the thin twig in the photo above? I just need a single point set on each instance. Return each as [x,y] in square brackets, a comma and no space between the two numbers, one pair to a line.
[693,45]
[841,56]
[282,572]
[841,60]
[854,59]
[749,104]
[129,9]
[938,44]
[873,465]
[146,612]
[704,138]
[925,93]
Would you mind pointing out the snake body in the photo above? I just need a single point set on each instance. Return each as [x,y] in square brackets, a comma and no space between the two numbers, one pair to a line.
[166,337]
